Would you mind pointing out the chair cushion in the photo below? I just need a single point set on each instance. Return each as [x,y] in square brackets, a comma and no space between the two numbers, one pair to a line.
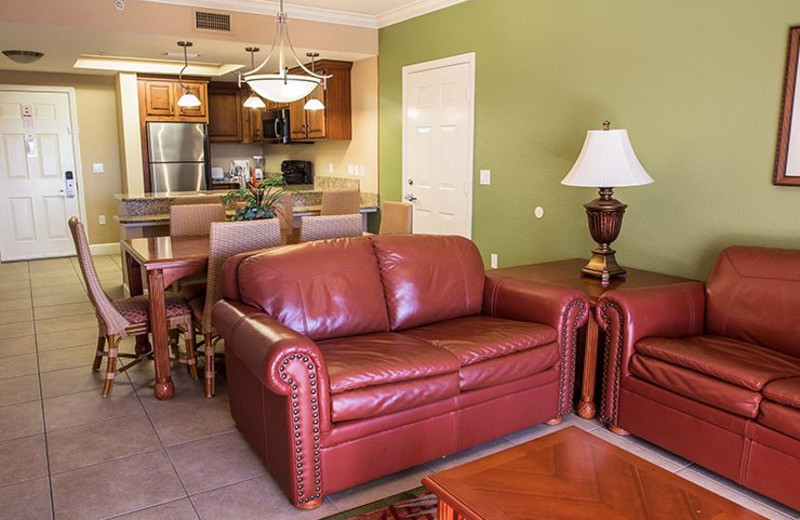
[381,373]
[479,338]
[737,362]
[784,391]
[753,294]
[325,289]
[694,385]
[429,278]
[137,309]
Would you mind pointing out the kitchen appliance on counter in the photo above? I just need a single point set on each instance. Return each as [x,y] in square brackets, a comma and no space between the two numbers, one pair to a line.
[297,172]
[178,157]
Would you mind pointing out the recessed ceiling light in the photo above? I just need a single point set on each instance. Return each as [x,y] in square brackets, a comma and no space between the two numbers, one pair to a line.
[174,54]
[24,57]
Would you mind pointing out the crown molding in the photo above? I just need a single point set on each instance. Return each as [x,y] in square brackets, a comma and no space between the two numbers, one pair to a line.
[412,10]
[316,14]
[270,8]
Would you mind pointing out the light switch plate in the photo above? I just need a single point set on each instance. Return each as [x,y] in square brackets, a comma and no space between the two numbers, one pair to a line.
[493,261]
[98,167]
[486,177]
[362,170]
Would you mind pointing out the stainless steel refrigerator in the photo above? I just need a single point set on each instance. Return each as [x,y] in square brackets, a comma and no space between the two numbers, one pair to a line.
[178,156]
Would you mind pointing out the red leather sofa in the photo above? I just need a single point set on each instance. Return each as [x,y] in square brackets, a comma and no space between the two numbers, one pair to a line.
[354,358]
[712,371]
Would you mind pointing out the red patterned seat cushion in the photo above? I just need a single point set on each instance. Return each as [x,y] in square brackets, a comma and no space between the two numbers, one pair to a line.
[137,309]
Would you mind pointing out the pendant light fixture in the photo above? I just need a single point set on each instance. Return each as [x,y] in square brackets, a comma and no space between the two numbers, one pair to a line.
[187,100]
[281,86]
[313,103]
[253,101]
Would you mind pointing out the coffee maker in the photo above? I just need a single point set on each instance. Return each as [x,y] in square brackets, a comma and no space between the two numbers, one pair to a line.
[297,172]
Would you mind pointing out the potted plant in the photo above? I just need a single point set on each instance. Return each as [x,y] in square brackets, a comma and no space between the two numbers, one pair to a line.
[256,201]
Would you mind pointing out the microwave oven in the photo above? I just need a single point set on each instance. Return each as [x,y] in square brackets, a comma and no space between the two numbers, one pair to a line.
[276,127]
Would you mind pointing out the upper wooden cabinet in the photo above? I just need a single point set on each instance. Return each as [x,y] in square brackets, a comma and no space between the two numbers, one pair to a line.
[224,113]
[158,100]
[335,121]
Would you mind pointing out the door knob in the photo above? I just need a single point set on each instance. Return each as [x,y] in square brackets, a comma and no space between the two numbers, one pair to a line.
[410,197]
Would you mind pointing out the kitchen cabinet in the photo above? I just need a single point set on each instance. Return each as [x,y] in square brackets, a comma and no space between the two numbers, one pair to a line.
[334,122]
[225,113]
[158,100]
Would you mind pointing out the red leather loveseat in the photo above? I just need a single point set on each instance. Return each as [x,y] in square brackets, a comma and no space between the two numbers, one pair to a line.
[350,359]
[712,372]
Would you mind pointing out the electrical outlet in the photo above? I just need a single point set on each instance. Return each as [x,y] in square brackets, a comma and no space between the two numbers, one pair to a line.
[493,261]
[351,169]
[486,177]
[330,167]
[98,167]
[362,170]
[102,220]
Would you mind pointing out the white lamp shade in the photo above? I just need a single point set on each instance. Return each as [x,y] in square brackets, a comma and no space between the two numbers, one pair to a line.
[189,100]
[253,101]
[282,89]
[607,160]
[314,104]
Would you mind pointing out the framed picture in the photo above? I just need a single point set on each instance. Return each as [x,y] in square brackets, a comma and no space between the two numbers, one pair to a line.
[787,157]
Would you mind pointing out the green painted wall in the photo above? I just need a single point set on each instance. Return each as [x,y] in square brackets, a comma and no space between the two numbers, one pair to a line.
[697,84]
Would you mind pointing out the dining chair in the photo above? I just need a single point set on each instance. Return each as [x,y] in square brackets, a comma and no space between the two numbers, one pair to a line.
[340,202]
[396,218]
[186,220]
[285,211]
[330,226]
[118,319]
[227,239]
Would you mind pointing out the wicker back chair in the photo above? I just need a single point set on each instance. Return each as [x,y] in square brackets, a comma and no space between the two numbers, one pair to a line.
[186,220]
[117,319]
[227,239]
[340,202]
[285,213]
[396,218]
[330,226]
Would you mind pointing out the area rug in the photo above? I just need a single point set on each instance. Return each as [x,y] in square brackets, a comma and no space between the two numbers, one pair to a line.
[416,504]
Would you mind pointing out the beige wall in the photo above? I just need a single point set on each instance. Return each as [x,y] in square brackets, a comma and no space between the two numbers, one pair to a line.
[97,122]
[362,149]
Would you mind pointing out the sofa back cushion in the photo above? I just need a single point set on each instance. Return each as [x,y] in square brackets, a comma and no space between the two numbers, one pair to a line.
[429,278]
[323,289]
[753,294]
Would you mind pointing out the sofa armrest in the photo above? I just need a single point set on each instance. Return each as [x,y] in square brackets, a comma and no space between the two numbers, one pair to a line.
[295,401]
[563,308]
[628,315]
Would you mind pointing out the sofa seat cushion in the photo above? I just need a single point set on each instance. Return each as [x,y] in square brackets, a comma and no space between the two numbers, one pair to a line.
[512,367]
[742,364]
[784,419]
[475,339]
[784,391]
[697,386]
[385,372]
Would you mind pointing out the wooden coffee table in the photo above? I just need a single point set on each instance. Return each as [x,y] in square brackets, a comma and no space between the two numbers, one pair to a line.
[568,475]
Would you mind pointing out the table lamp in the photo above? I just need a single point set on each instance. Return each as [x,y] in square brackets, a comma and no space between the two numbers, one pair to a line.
[607,161]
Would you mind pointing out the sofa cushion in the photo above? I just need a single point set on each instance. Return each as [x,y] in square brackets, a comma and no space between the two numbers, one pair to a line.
[429,278]
[478,338]
[381,373]
[323,289]
[737,362]
[783,419]
[512,367]
[753,294]
[696,386]
[784,391]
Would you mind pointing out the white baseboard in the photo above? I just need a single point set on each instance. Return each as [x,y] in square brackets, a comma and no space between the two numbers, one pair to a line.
[105,249]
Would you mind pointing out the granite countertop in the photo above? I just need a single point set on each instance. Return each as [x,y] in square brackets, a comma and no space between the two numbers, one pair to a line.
[164,217]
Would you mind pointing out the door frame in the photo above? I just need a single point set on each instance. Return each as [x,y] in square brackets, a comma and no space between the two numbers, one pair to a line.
[75,134]
[459,59]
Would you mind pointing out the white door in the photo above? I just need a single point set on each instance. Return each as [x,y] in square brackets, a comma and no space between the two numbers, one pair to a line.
[36,152]
[438,121]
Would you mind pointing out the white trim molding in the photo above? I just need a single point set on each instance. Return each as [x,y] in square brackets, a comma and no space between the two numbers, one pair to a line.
[317,14]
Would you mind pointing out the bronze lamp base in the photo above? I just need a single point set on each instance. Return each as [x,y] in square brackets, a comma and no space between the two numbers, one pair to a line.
[605,221]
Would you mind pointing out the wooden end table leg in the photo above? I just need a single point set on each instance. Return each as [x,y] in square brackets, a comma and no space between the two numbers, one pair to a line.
[136,288]
[158,328]
[586,407]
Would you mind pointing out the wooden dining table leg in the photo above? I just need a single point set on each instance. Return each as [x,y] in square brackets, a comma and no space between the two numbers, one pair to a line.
[164,387]
[135,287]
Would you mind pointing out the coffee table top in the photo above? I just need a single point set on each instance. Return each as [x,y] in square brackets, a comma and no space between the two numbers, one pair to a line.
[572,474]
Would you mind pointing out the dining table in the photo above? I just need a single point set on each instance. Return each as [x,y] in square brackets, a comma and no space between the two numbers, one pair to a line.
[165,260]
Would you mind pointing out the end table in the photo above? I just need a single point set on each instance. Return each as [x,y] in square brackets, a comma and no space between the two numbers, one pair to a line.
[568,272]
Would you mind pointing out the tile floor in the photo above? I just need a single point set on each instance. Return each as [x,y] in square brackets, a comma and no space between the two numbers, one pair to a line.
[66,453]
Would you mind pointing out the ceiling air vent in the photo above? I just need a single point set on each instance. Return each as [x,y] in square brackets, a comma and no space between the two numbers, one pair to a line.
[208,21]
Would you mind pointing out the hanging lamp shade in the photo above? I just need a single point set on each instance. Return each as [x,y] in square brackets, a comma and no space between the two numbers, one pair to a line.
[189,100]
[253,101]
[314,104]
